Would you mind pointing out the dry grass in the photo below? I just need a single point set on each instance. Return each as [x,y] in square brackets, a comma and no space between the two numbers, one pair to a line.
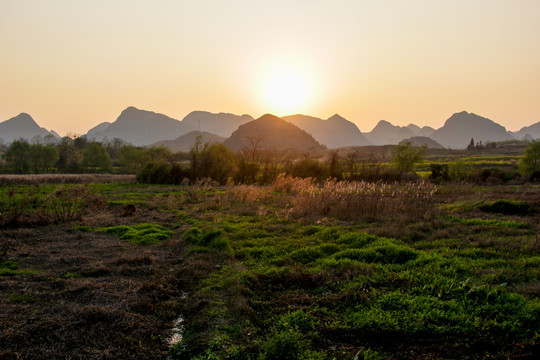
[41,179]
[357,199]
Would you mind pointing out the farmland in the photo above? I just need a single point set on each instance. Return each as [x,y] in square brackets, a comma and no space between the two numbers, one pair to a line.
[291,270]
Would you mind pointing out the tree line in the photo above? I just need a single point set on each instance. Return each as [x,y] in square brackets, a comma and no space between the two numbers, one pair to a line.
[218,163]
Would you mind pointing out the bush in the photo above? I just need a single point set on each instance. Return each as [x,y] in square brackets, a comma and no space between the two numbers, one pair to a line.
[530,162]
[493,176]
[155,173]
[309,169]
[285,345]
[507,207]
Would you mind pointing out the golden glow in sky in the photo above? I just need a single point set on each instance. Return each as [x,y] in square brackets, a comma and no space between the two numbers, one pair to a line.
[74,64]
[286,90]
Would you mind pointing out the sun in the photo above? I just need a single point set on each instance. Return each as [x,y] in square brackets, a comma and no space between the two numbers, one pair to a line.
[286,91]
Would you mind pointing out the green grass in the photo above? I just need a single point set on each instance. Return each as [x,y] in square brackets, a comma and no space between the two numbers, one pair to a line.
[293,285]
[11,268]
[142,234]
[494,222]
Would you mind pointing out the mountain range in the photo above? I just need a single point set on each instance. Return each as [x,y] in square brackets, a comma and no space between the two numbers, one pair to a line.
[22,126]
[144,128]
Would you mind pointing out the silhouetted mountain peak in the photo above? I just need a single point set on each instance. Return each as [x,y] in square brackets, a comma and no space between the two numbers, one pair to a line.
[414,128]
[336,118]
[383,124]
[461,127]
[277,134]
[142,127]
[21,126]
[269,117]
[23,119]
[470,119]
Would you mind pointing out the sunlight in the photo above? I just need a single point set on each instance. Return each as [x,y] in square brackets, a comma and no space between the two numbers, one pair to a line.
[286,91]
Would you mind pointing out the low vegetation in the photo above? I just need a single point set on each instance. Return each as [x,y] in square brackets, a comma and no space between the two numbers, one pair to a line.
[286,268]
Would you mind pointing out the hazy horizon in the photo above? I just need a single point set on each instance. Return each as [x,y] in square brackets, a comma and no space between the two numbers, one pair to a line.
[74,64]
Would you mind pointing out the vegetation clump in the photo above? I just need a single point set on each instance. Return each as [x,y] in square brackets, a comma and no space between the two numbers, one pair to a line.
[506,207]
[142,234]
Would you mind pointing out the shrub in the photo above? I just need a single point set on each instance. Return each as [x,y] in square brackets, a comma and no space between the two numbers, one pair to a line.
[507,207]
[192,235]
[308,168]
[155,173]
[285,345]
[211,160]
[493,176]
[296,320]
[530,162]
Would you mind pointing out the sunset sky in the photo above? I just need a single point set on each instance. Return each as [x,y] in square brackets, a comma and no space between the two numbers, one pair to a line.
[72,64]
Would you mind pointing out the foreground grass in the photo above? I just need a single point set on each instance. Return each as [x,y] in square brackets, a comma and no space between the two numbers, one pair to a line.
[289,271]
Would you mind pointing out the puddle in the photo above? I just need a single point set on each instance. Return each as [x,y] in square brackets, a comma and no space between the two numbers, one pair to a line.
[177,331]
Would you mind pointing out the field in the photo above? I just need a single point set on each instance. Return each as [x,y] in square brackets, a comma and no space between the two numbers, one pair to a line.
[292,270]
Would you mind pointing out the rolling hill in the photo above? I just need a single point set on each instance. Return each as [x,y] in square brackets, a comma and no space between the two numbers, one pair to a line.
[185,142]
[274,134]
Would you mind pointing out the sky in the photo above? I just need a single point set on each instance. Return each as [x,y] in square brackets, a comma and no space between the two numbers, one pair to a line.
[72,64]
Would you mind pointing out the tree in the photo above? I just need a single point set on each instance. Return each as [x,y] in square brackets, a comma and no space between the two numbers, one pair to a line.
[69,157]
[96,157]
[211,160]
[405,156]
[17,157]
[471,145]
[43,157]
[251,150]
[336,169]
[529,164]
[132,159]
[159,154]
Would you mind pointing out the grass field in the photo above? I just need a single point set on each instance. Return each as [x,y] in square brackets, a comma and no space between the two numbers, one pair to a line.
[293,270]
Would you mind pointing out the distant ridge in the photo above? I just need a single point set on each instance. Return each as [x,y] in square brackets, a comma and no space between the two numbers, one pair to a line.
[528,132]
[423,140]
[424,131]
[384,133]
[22,126]
[142,127]
[185,142]
[276,134]
[97,129]
[461,127]
[335,132]
[222,124]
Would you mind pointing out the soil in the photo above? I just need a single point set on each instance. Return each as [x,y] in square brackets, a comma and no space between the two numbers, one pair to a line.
[90,295]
